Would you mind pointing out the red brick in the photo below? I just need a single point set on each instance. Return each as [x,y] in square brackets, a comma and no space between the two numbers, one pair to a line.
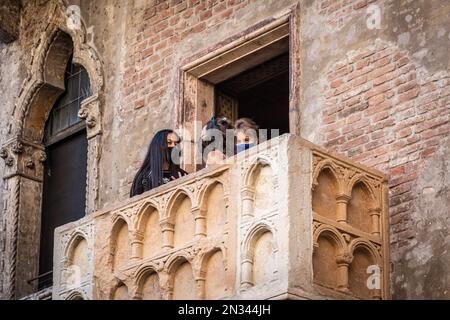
[380,71]
[329,119]
[355,142]
[403,61]
[404,133]
[408,95]
[386,105]
[376,100]
[406,87]
[336,83]
[360,4]
[139,104]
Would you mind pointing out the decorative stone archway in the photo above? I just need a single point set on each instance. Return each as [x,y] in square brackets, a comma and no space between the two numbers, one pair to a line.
[24,152]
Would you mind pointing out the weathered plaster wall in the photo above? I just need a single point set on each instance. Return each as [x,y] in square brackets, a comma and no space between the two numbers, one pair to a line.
[423,270]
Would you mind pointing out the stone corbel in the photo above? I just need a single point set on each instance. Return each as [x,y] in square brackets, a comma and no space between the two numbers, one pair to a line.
[90,111]
[24,159]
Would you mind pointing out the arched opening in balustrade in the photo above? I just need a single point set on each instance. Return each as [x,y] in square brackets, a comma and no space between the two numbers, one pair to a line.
[216,285]
[263,261]
[259,265]
[263,184]
[214,206]
[182,280]
[77,256]
[120,244]
[324,194]
[325,267]
[358,209]
[363,268]
[121,292]
[149,226]
[148,285]
[180,213]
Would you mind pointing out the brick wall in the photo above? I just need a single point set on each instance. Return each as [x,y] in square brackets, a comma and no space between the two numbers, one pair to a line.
[161,28]
[386,112]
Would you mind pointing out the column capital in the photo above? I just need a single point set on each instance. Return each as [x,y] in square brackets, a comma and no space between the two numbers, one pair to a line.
[136,236]
[375,211]
[247,192]
[344,259]
[23,158]
[198,213]
[166,225]
[342,197]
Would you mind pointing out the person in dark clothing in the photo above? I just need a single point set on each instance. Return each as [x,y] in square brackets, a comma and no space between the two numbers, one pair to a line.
[214,140]
[158,167]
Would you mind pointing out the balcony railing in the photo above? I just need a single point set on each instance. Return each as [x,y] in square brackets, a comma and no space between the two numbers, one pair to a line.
[283,220]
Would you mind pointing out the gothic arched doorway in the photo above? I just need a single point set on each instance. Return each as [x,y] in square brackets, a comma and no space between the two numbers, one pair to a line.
[66,146]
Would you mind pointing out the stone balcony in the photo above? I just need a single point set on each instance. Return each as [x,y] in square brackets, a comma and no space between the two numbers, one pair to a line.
[285,220]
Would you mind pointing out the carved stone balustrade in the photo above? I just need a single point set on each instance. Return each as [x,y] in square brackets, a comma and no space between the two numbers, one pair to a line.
[283,220]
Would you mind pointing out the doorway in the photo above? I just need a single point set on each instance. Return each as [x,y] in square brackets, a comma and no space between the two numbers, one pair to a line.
[65,170]
[261,94]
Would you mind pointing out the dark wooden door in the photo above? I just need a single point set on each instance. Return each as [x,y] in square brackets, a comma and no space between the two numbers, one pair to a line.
[64,195]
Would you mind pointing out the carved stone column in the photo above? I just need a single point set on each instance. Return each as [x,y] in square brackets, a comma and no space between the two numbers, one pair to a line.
[90,111]
[167,229]
[342,201]
[200,223]
[226,228]
[375,214]
[343,261]
[248,196]
[200,282]
[247,271]
[22,192]
[165,285]
[137,244]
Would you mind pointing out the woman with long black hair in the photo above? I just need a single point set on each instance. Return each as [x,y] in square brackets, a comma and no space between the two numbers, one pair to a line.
[158,167]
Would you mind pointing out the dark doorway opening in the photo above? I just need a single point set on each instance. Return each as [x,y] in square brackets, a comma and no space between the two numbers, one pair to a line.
[261,94]
[64,193]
